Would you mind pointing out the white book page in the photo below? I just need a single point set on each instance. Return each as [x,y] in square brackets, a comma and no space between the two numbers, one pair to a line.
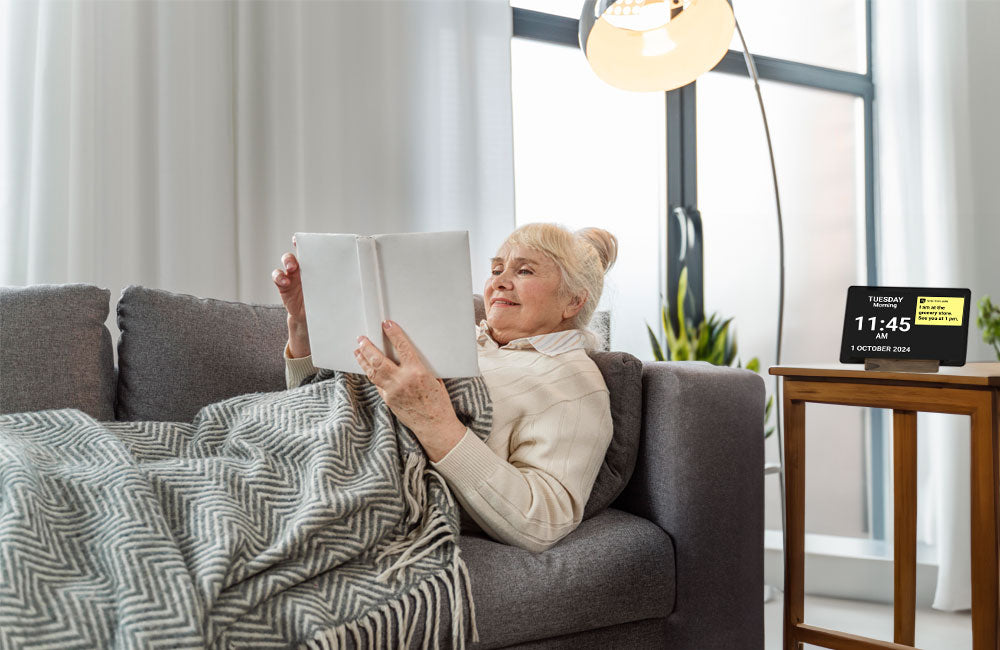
[331,288]
[427,289]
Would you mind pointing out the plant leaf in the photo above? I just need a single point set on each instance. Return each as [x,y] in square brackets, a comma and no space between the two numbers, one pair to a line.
[720,324]
[704,343]
[719,349]
[657,351]
[683,351]
[671,337]
[682,287]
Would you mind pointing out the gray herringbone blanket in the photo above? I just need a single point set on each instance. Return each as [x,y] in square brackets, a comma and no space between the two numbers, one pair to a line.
[308,516]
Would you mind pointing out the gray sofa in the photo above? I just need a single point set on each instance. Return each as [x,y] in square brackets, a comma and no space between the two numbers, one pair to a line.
[670,554]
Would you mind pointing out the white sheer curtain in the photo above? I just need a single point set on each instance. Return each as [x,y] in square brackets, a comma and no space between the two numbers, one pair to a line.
[179,144]
[937,97]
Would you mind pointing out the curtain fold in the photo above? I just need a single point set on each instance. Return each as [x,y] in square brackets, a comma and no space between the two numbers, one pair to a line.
[179,144]
[426,126]
[937,95]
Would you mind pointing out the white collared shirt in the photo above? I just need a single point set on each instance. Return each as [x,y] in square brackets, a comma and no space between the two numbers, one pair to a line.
[549,344]
[528,483]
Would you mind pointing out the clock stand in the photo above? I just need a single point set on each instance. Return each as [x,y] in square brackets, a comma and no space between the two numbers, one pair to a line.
[903,365]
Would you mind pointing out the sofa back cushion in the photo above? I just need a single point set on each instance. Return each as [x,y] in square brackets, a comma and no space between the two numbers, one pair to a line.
[178,353]
[55,351]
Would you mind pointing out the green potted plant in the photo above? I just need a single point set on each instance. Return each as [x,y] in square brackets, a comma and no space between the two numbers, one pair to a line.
[989,322]
[710,340]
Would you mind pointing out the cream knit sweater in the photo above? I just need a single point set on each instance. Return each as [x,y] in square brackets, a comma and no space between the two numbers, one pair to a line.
[528,483]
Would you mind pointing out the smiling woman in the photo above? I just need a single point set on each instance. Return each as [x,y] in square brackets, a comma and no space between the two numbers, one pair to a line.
[523,298]
[553,277]
[528,482]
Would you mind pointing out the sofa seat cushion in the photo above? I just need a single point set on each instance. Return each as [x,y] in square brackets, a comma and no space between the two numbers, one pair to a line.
[55,351]
[614,568]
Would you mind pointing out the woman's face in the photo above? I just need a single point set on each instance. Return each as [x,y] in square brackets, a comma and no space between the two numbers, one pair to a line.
[523,296]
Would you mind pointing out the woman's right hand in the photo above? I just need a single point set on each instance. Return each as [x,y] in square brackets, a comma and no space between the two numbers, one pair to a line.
[289,284]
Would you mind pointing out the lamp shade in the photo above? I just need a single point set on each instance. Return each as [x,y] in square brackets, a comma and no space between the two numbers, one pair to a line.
[654,45]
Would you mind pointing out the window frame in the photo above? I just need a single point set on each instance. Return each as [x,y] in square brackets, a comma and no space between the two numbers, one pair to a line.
[682,183]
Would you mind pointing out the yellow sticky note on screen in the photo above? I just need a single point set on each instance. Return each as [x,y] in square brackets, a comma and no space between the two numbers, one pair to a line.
[939,310]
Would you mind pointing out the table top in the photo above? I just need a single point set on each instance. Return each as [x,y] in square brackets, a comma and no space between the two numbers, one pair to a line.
[971,374]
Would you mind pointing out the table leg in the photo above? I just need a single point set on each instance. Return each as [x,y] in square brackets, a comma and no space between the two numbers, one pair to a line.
[795,510]
[904,471]
[995,412]
[985,580]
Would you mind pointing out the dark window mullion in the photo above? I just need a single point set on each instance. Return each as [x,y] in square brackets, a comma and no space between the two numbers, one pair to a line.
[558,30]
[802,74]
[684,233]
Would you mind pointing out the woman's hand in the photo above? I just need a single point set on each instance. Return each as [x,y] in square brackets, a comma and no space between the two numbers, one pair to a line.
[413,394]
[289,284]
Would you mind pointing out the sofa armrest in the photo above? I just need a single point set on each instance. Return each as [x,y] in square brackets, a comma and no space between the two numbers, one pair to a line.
[699,476]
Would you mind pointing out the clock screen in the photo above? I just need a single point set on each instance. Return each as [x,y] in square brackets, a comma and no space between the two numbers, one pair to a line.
[906,323]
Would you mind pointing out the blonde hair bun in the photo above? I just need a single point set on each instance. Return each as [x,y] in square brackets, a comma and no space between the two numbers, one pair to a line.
[603,242]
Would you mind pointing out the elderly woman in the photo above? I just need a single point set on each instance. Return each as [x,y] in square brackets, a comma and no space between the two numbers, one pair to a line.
[528,483]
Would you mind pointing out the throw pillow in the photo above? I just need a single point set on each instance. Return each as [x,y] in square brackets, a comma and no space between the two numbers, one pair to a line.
[623,376]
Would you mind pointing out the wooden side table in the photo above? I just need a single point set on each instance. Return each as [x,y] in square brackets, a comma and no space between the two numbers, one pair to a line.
[974,390]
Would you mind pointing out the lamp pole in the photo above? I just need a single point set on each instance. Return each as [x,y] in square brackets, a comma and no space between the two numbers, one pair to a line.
[752,69]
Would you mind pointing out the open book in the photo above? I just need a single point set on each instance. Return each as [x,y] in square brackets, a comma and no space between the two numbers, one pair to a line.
[351,283]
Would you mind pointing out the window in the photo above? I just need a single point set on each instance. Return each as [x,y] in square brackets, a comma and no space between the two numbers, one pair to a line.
[819,98]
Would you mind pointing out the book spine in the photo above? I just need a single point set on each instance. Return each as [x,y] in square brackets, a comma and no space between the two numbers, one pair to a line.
[370,272]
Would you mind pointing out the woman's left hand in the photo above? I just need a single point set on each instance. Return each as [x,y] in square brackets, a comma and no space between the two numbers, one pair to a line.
[412,392]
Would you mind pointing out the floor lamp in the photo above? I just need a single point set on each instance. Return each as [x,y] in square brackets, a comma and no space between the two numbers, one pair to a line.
[660,45]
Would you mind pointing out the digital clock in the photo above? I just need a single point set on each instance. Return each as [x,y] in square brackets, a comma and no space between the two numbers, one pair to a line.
[906,323]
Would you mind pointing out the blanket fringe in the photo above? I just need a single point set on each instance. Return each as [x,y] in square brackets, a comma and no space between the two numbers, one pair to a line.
[403,614]
[394,623]
[426,537]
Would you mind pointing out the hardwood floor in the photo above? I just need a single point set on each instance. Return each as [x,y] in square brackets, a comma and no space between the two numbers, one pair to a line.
[935,630]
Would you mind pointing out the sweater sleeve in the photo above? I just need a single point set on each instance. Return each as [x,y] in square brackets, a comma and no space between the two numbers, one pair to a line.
[537,497]
[296,370]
